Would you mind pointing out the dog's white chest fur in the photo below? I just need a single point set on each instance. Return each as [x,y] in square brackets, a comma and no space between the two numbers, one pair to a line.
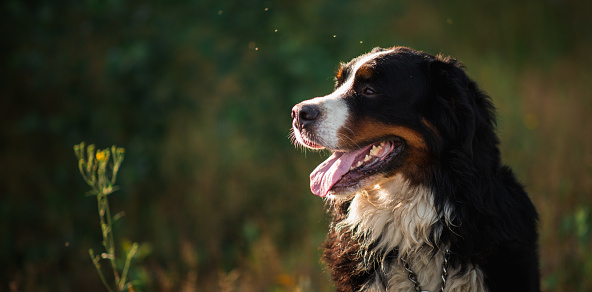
[398,216]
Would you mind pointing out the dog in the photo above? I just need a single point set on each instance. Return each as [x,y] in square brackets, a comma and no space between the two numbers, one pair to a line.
[418,196]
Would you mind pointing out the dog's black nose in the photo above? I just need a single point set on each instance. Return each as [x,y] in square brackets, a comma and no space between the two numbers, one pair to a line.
[309,113]
[305,114]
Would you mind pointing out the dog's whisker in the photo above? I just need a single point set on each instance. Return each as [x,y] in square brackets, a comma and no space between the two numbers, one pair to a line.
[350,139]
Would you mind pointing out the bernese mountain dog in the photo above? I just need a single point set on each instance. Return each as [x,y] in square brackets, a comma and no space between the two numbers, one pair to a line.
[415,186]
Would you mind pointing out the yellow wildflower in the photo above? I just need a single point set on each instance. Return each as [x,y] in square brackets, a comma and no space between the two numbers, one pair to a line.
[101,155]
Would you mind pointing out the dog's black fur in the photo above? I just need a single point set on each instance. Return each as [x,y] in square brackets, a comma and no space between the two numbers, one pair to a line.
[494,224]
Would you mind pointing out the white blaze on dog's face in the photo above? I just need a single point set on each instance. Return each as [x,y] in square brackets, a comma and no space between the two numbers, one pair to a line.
[365,121]
[333,111]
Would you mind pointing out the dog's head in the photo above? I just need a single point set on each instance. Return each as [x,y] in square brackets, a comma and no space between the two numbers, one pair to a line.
[392,111]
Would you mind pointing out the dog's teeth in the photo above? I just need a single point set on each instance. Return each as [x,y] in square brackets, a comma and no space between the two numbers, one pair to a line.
[374,150]
[367,158]
[351,168]
[359,163]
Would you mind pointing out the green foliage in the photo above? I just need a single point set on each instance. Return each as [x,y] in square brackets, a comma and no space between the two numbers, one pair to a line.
[200,94]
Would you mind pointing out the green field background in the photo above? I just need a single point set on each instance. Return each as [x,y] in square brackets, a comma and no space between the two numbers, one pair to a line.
[199,93]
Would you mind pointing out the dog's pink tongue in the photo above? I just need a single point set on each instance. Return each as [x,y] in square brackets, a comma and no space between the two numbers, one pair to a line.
[330,171]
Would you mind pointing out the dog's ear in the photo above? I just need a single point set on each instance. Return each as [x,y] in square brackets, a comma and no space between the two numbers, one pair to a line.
[455,98]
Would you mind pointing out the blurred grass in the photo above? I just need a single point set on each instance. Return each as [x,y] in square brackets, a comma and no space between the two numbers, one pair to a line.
[199,93]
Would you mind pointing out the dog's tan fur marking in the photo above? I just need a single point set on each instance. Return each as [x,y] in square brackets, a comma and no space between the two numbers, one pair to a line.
[365,72]
[340,74]
[363,131]
[368,131]
[431,127]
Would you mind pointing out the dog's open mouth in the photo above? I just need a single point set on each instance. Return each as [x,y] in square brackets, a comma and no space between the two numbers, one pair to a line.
[344,170]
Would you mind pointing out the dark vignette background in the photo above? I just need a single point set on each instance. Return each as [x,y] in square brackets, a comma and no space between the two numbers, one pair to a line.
[199,93]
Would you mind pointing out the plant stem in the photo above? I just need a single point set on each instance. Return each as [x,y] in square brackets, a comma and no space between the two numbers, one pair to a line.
[98,267]
[111,248]
[128,259]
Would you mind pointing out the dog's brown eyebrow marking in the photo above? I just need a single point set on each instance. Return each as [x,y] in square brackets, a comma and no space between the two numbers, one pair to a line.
[365,72]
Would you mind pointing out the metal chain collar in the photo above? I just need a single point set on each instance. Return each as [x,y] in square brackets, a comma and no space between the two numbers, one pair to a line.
[413,277]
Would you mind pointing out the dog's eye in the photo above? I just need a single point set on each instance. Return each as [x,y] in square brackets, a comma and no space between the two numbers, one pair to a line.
[368,91]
